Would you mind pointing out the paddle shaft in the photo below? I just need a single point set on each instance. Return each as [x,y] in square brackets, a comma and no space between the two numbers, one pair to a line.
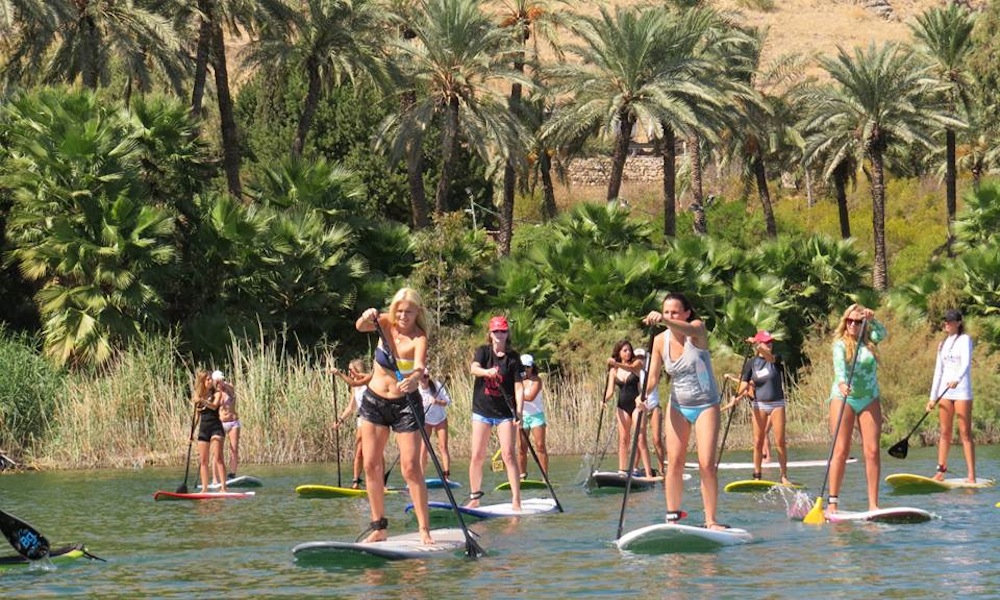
[183,489]
[527,442]
[336,431]
[732,413]
[600,422]
[635,435]
[472,549]
[28,542]
[840,416]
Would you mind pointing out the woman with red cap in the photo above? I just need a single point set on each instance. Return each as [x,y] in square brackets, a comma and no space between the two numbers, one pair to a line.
[497,399]
[761,382]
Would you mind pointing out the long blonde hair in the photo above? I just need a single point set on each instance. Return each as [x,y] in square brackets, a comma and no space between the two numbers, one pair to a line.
[413,297]
[851,343]
[201,391]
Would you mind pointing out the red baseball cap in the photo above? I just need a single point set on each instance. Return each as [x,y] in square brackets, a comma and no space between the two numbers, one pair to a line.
[763,336]
[499,323]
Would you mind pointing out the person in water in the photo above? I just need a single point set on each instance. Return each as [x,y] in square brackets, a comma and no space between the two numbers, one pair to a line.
[497,397]
[207,398]
[654,416]
[953,383]
[682,351]
[533,420]
[230,420]
[392,400]
[624,371]
[855,382]
[436,400]
[356,380]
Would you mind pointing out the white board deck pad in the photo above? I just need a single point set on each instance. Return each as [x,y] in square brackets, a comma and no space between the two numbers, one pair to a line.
[398,547]
[898,514]
[663,538]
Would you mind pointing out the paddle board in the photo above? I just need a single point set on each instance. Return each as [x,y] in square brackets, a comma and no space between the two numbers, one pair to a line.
[397,547]
[529,507]
[674,537]
[616,479]
[757,485]
[526,484]
[56,555]
[161,495]
[242,481]
[330,491]
[898,514]
[907,483]
[792,464]
[437,484]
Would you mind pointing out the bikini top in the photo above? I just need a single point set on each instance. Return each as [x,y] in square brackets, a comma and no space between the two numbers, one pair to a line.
[387,361]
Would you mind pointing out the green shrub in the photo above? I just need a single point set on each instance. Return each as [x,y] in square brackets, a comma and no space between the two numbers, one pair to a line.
[29,389]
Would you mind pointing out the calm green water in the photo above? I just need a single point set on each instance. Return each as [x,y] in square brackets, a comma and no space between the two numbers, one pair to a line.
[242,548]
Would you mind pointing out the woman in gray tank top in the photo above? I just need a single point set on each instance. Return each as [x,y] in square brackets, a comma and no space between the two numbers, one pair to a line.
[682,351]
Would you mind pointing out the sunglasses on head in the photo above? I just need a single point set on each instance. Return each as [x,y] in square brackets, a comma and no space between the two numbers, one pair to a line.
[853,321]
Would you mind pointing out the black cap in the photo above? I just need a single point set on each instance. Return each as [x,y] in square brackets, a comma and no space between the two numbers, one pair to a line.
[952,314]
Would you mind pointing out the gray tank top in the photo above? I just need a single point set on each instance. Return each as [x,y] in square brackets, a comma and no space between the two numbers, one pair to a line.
[692,381]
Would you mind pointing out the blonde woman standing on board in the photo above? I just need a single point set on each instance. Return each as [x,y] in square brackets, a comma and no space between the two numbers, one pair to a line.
[953,384]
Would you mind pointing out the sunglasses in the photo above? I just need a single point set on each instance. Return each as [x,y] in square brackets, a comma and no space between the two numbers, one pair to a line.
[853,321]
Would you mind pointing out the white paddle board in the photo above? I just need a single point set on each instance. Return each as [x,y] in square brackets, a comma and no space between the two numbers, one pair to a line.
[397,547]
[237,482]
[898,514]
[673,537]
[529,507]
[792,464]
[162,495]
[907,483]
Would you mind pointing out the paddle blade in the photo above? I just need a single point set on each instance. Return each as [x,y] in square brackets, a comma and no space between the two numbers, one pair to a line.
[900,449]
[473,549]
[815,516]
[28,542]
[182,488]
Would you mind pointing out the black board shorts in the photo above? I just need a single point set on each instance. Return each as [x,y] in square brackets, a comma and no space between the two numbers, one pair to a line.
[210,426]
[396,413]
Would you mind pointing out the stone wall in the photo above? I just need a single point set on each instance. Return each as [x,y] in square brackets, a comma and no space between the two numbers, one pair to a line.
[597,171]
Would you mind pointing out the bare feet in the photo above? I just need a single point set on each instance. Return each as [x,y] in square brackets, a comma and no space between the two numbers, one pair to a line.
[425,537]
[939,476]
[474,500]
[379,535]
[786,481]
[716,526]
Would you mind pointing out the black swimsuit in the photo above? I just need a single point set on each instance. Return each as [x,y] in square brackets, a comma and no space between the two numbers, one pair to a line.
[628,391]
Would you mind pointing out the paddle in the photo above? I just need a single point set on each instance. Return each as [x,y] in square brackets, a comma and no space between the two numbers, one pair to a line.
[336,431]
[472,549]
[600,424]
[635,434]
[388,471]
[183,488]
[815,515]
[902,447]
[527,442]
[28,542]
[732,412]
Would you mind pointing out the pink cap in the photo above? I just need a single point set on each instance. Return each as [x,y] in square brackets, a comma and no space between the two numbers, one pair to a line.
[499,323]
[763,336]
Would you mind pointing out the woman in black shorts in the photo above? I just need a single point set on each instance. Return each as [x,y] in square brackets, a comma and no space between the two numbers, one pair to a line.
[210,431]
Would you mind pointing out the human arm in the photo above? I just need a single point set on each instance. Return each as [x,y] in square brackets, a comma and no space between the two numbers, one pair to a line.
[655,364]
[840,367]
[695,330]
[480,358]
[964,347]
[531,388]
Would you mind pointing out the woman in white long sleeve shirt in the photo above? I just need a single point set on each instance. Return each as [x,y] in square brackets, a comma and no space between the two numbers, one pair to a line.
[953,384]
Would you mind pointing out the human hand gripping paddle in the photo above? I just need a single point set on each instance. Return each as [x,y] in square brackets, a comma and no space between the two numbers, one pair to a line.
[28,542]
[635,435]
[815,516]
[183,488]
[902,447]
[472,549]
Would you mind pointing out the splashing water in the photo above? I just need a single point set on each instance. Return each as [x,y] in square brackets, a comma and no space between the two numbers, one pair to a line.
[797,503]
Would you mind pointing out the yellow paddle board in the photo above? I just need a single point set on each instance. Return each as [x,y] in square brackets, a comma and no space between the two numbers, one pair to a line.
[908,483]
[330,491]
[756,485]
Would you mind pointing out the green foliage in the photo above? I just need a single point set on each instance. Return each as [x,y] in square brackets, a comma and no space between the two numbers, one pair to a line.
[29,390]
[761,5]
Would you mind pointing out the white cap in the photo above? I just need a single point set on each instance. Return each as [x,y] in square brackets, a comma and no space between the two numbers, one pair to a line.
[217,376]
[527,360]
[640,352]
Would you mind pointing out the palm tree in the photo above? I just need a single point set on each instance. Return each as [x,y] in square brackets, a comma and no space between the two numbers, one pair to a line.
[333,41]
[838,156]
[880,97]
[945,36]
[84,39]
[454,65]
[635,69]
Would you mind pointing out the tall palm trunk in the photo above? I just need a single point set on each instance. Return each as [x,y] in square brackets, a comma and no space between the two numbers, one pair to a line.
[667,148]
[698,198]
[509,172]
[415,171]
[230,133]
[951,194]
[840,189]
[308,106]
[449,143]
[549,208]
[622,141]
[760,173]
[880,272]
[201,62]
[91,41]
